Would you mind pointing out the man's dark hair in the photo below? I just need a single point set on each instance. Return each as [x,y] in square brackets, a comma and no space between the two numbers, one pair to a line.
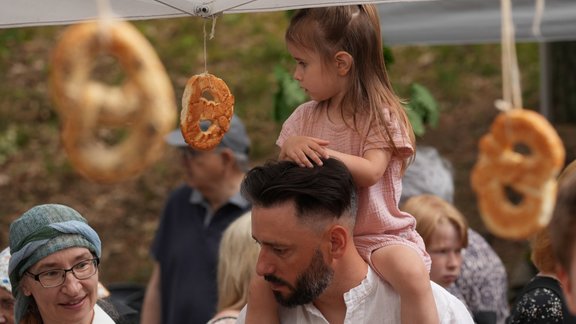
[325,191]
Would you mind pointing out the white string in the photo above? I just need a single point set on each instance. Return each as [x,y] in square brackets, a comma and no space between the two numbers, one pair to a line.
[104,10]
[104,19]
[503,105]
[510,73]
[537,22]
[211,36]
[213,30]
[205,51]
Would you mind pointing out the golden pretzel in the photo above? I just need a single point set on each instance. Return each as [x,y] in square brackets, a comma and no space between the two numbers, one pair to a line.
[144,104]
[532,175]
[196,108]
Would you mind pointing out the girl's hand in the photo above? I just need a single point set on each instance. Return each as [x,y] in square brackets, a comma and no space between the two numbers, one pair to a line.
[303,149]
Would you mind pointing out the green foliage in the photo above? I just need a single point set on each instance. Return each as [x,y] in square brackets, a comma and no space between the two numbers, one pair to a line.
[288,95]
[8,143]
[11,36]
[388,56]
[422,109]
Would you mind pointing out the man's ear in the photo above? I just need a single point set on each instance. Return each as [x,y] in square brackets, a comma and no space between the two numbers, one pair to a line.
[567,287]
[338,236]
[227,155]
[344,62]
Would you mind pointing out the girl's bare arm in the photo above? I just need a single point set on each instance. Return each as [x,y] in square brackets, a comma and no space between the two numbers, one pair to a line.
[368,169]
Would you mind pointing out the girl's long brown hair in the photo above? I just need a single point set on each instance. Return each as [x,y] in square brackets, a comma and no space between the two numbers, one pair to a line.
[355,30]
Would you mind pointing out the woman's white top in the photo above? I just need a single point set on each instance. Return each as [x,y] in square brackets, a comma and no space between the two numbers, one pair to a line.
[100,316]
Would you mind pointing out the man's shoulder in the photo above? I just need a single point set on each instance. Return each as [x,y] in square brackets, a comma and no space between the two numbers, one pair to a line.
[180,192]
[242,316]
[376,295]
[179,199]
[450,308]
[176,207]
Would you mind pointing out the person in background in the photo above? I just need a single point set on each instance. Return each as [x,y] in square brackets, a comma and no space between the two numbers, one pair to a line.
[53,269]
[304,219]
[563,234]
[483,281]
[445,233]
[182,288]
[541,300]
[6,298]
[236,265]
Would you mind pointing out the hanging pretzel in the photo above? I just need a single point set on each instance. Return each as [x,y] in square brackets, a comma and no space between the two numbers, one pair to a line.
[532,175]
[143,104]
[196,108]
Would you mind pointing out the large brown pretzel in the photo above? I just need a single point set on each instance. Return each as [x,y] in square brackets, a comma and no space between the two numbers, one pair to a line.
[144,104]
[532,175]
[196,108]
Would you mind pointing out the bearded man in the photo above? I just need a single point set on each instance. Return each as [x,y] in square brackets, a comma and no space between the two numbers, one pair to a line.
[303,219]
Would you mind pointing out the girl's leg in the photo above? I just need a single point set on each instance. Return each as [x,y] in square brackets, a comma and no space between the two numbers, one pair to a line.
[406,272]
[262,306]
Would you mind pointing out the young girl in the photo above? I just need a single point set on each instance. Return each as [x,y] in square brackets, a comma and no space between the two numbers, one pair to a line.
[355,116]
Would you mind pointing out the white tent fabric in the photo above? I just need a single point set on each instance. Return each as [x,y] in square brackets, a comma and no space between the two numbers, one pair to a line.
[473,21]
[23,13]
[423,22]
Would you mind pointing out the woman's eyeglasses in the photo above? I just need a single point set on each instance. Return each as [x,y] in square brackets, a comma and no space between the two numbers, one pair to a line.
[56,277]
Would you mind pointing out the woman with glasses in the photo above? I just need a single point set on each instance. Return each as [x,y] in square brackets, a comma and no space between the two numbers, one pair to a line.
[54,268]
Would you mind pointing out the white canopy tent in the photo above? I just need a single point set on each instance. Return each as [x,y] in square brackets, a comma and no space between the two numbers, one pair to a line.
[21,13]
[474,21]
[403,21]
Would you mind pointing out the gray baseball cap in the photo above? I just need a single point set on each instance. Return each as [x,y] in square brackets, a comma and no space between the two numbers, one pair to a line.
[235,138]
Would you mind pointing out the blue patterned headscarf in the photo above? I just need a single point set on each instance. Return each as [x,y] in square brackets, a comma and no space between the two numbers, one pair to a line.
[4,279]
[40,232]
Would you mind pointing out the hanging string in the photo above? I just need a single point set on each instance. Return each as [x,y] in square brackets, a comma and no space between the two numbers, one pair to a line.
[510,73]
[104,19]
[104,10]
[537,22]
[211,36]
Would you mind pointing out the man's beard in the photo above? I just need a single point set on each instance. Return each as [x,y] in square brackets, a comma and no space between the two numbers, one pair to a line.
[309,284]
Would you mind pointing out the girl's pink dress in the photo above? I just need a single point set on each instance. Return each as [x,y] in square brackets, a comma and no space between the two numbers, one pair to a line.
[379,221]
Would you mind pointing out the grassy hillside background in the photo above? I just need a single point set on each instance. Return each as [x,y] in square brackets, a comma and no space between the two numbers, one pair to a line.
[34,168]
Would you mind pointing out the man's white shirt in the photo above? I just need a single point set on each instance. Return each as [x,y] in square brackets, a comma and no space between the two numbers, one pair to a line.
[374,301]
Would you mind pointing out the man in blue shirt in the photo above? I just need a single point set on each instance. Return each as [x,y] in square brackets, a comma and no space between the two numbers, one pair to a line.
[182,288]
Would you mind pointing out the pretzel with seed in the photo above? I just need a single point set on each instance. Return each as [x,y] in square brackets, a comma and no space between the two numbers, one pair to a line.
[196,108]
